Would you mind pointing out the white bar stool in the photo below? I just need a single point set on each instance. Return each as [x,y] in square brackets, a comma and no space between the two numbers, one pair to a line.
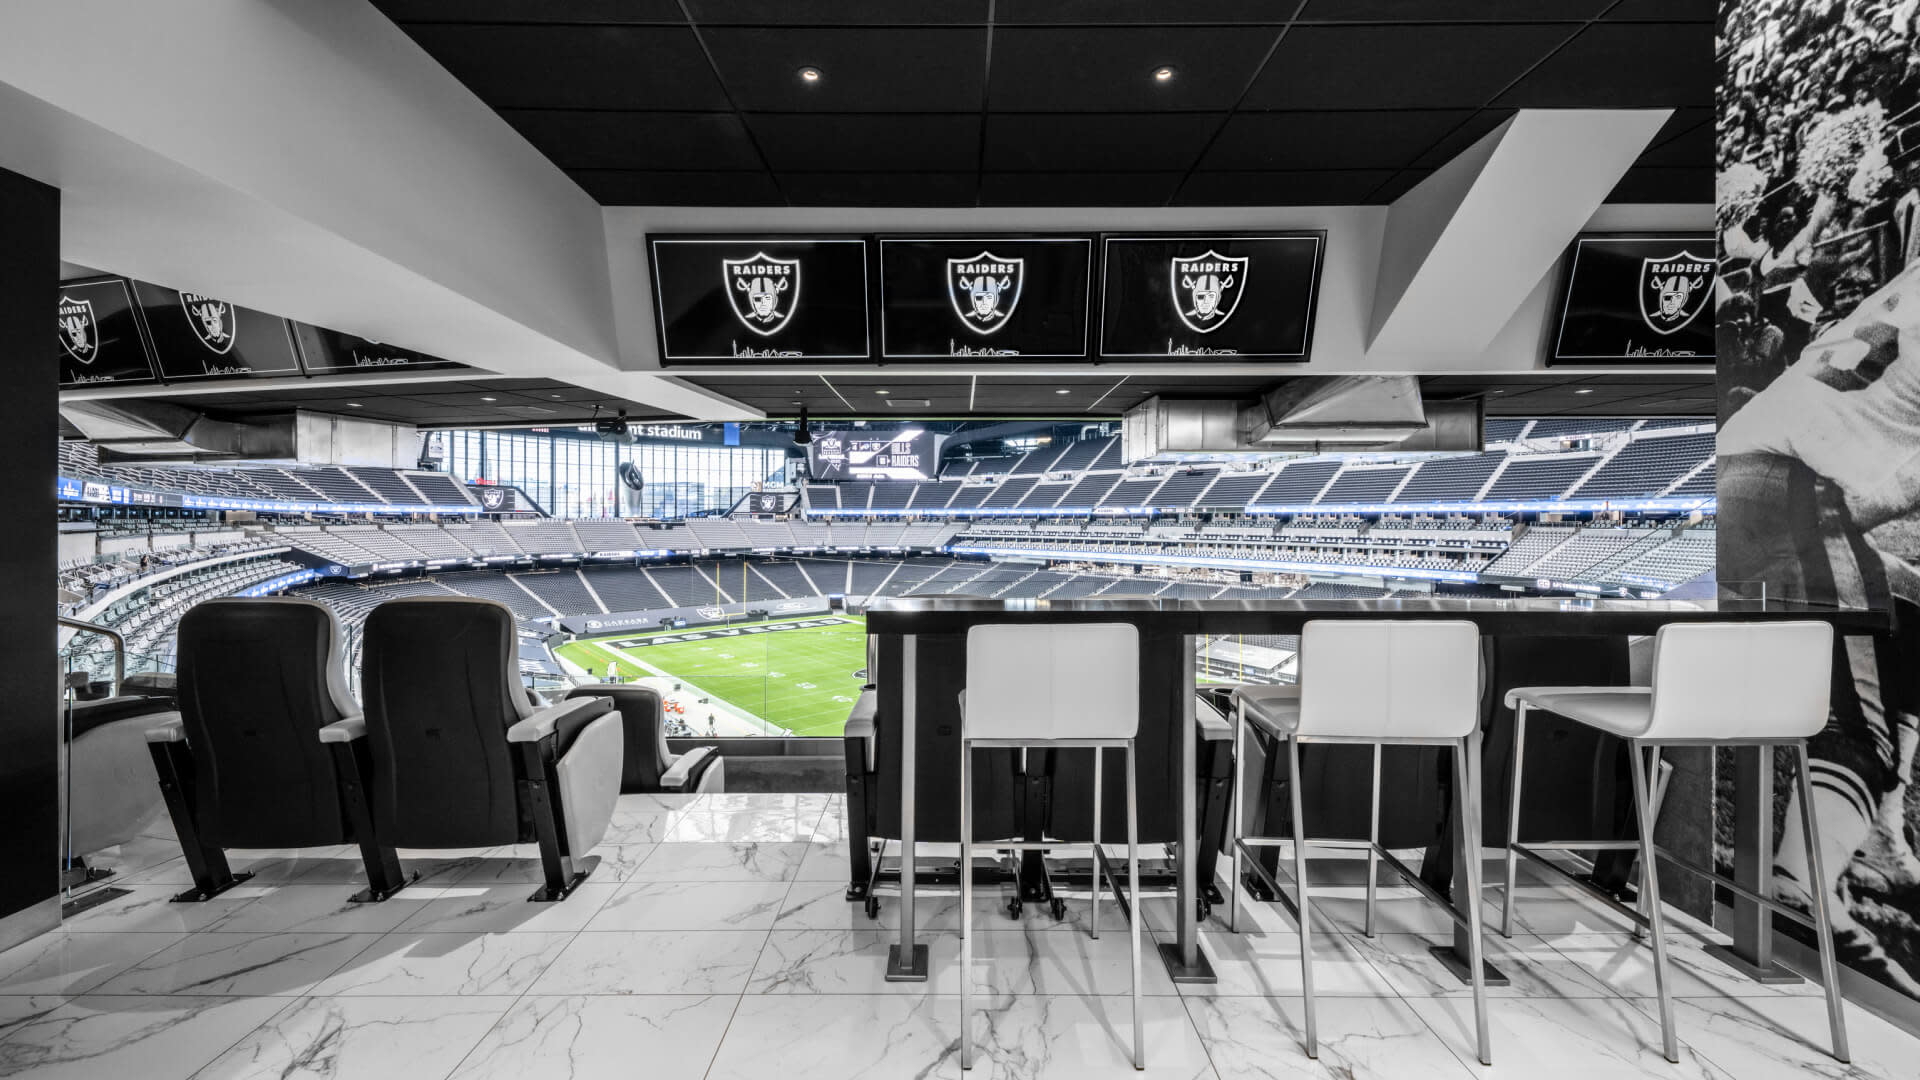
[1384,682]
[1051,686]
[1714,684]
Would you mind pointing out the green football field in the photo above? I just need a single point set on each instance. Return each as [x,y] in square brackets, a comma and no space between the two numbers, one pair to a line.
[801,679]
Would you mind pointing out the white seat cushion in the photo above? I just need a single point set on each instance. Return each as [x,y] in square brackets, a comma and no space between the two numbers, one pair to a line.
[1276,708]
[1621,710]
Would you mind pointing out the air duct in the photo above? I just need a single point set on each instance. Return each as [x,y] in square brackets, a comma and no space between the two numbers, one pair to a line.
[156,431]
[1372,413]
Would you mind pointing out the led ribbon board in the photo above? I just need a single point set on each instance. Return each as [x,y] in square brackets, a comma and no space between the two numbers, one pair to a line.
[985,297]
[759,299]
[1239,295]
[1639,299]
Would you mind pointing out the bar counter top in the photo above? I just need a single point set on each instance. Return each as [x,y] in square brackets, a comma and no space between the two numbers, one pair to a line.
[1555,616]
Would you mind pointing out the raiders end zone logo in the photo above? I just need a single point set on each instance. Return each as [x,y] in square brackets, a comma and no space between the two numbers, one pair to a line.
[763,291]
[1206,290]
[711,612]
[79,332]
[493,498]
[1673,290]
[212,321]
[984,289]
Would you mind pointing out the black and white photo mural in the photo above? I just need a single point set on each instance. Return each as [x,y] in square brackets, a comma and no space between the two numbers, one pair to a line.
[1818,326]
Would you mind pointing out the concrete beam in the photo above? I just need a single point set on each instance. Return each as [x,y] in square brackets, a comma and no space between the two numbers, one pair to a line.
[1466,247]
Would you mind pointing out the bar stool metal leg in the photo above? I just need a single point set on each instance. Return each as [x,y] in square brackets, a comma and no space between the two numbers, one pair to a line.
[1373,843]
[966,905]
[1823,929]
[1235,822]
[1133,898]
[1093,929]
[1513,820]
[1467,782]
[1640,893]
[1650,888]
[1300,895]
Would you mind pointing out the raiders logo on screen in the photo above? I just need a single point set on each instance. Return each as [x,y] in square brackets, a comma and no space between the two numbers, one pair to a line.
[79,330]
[1673,290]
[763,290]
[212,321]
[493,498]
[984,289]
[1206,290]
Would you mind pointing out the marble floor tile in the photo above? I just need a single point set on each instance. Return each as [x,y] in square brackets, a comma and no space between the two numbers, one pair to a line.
[318,908]
[267,865]
[798,962]
[359,1038]
[1563,1038]
[1551,913]
[724,862]
[1533,968]
[1268,965]
[408,964]
[653,802]
[604,1038]
[1626,966]
[638,826]
[519,864]
[149,909]
[654,962]
[500,909]
[1764,1037]
[1021,963]
[240,965]
[822,905]
[701,825]
[152,1038]
[16,1011]
[62,963]
[685,905]
[812,802]
[825,861]
[429,868]
[1360,1039]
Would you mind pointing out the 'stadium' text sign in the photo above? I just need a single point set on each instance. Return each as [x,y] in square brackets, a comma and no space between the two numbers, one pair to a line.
[100,339]
[330,352]
[1640,299]
[1248,295]
[985,297]
[760,299]
[199,337]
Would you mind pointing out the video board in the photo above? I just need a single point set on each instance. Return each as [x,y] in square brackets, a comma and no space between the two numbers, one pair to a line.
[759,298]
[908,454]
[1639,299]
[100,336]
[201,337]
[1246,295]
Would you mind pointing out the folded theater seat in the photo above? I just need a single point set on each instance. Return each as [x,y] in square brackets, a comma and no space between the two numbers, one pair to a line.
[649,766]
[462,757]
[261,684]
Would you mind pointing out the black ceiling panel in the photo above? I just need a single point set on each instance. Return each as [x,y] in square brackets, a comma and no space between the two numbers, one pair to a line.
[1078,189]
[627,187]
[1084,142]
[1648,65]
[1328,187]
[862,69]
[897,142]
[1053,102]
[1328,140]
[1394,67]
[576,67]
[637,140]
[1048,70]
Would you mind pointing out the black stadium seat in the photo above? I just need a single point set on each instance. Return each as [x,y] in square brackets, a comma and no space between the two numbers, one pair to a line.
[648,766]
[245,766]
[461,756]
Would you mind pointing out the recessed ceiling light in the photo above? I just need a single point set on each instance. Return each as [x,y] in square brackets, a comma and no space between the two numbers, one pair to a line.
[556,397]
[489,399]
[883,393]
[1063,391]
[1163,74]
[353,405]
[810,74]
[1583,391]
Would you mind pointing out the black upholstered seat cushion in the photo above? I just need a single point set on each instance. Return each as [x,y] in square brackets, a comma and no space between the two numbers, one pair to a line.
[645,751]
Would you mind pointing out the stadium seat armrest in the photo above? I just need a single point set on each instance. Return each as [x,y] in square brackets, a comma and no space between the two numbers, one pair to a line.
[1208,724]
[344,731]
[171,731]
[547,721]
[675,778]
[861,724]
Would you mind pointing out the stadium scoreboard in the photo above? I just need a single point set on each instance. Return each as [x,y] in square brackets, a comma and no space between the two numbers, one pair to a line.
[911,454]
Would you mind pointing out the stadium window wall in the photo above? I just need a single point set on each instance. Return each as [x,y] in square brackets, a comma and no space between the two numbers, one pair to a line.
[573,475]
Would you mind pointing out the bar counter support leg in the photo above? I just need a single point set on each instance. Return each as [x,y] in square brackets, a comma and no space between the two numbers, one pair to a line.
[907,960]
[1184,960]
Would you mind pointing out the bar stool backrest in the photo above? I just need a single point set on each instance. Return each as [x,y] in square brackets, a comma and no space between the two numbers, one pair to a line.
[1737,680]
[1389,678]
[1052,681]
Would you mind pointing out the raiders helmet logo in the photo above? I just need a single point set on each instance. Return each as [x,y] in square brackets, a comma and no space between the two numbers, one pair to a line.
[493,498]
[712,612]
[984,289]
[763,291]
[79,331]
[212,321]
[1206,290]
[1673,290]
